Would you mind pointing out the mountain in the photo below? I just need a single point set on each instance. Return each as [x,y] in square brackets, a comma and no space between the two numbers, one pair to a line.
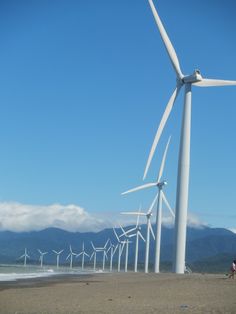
[207,248]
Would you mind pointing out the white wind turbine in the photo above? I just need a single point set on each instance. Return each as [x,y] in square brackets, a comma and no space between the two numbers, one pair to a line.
[41,257]
[184,151]
[58,256]
[160,196]
[148,215]
[120,249]
[138,235]
[126,243]
[25,256]
[113,249]
[83,253]
[97,250]
[70,255]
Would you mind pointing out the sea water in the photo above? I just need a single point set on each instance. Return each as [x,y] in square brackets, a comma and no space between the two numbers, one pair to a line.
[15,272]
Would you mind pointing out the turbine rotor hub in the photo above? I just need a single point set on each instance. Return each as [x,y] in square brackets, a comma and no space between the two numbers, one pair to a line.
[193,78]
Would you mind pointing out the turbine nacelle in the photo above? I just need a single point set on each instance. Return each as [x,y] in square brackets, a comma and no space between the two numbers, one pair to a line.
[161,184]
[193,78]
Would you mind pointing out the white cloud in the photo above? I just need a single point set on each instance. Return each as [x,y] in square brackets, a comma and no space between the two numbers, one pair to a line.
[19,217]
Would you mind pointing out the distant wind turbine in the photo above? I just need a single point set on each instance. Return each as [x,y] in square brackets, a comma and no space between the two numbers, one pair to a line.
[41,257]
[126,243]
[113,249]
[25,256]
[58,256]
[195,79]
[83,253]
[137,234]
[148,215]
[96,250]
[70,255]
[121,245]
[159,196]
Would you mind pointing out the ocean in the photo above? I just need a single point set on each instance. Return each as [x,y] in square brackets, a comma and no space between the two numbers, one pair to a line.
[15,272]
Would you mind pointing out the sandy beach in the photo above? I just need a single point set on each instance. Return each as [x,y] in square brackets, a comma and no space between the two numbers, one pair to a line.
[120,293]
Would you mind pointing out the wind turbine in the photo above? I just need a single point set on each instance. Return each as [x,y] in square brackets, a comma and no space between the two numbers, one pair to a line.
[120,249]
[83,253]
[126,243]
[25,256]
[41,257]
[70,255]
[148,215]
[138,235]
[58,256]
[99,249]
[195,79]
[159,197]
[113,249]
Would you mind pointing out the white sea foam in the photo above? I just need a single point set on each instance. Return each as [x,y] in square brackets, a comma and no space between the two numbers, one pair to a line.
[13,273]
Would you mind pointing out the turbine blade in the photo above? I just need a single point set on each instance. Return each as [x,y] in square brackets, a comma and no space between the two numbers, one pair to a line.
[105,253]
[60,252]
[133,213]
[92,245]
[169,47]
[92,256]
[167,204]
[86,254]
[150,226]
[106,243]
[163,161]
[114,251]
[141,187]
[55,252]
[68,256]
[161,127]
[123,230]
[79,254]
[141,236]
[40,252]
[213,82]
[152,204]
[116,235]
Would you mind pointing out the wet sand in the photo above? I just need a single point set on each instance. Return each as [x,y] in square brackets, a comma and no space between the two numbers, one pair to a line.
[120,293]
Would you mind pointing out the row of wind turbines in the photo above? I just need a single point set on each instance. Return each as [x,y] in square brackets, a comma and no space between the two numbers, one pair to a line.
[123,239]
[181,206]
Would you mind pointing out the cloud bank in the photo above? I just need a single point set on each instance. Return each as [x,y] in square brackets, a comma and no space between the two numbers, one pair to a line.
[19,217]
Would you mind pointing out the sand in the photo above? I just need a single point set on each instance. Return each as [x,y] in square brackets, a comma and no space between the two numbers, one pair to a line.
[120,293]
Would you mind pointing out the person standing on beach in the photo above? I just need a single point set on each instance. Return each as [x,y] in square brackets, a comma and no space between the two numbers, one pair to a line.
[233,269]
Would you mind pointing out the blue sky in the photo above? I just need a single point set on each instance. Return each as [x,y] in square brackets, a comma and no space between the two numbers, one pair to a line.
[83,87]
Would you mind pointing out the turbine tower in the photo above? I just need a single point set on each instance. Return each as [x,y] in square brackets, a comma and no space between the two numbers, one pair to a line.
[83,253]
[195,79]
[41,257]
[159,197]
[58,256]
[70,255]
[25,256]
